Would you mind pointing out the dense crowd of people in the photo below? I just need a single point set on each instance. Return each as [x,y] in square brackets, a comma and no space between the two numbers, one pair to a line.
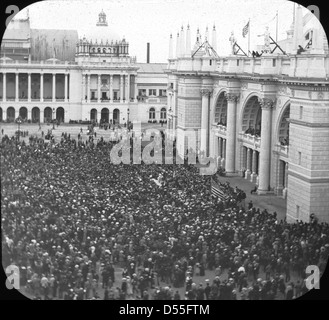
[70,218]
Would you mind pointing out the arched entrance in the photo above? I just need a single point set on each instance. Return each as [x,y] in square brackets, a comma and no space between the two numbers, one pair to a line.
[252,117]
[23,113]
[35,115]
[93,115]
[1,116]
[220,116]
[116,116]
[60,114]
[105,113]
[10,114]
[283,130]
[47,114]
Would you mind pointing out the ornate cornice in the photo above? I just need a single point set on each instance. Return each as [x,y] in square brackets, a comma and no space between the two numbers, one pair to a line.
[266,103]
[232,97]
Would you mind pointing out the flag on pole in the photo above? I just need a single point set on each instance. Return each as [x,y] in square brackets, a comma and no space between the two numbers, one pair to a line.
[245,30]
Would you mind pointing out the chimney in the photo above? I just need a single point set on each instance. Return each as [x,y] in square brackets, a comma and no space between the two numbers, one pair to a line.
[148,53]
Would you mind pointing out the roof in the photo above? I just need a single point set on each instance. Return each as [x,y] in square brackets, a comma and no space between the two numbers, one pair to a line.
[47,43]
[17,29]
[151,67]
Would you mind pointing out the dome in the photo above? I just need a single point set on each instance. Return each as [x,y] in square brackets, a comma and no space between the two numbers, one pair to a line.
[101,34]
[100,31]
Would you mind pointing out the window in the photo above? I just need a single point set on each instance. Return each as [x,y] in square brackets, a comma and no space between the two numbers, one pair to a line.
[152,114]
[299,158]
[152,92]
[142,92]
[210,62]
[297,212]
[237,62]
[162,93]
[163,113]
[300,112]
[273,62]
[171,85]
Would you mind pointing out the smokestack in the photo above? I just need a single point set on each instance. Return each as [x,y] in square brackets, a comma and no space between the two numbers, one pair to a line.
[148,53]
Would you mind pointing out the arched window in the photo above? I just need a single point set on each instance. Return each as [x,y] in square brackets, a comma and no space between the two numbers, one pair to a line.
[99,50]
[152,114]
[163,114]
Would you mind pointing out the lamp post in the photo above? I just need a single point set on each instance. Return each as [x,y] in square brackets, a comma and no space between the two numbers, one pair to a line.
[19,121]
[53,118]
[128,112]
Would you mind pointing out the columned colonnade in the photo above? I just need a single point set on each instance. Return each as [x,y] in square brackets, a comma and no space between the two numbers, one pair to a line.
[39,90]
[123,94]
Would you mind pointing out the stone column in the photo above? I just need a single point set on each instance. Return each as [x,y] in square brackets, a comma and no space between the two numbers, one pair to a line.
[4,87]
[29,114]
[42,115]
[41,91]
[223,154]
[265,147]
[230,132]
[88,88]
[65,87]
[206,93]
[29,87]
[83,87]
[111,88]
[99,88]
[253,176]
[248,171]
[54,87]
[99,115]
[136,90]
[16,87]
[220,147]
[127,87]
[121,88]
[285,189]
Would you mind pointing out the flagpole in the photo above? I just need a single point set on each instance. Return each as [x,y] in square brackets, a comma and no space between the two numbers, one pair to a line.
[249,38]
[277,18]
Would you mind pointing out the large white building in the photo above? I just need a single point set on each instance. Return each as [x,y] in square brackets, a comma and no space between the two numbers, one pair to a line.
[48,74]
[264,118]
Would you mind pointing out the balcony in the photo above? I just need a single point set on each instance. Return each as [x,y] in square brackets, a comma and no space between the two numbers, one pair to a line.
[283,150]
[219,129]
[250,140]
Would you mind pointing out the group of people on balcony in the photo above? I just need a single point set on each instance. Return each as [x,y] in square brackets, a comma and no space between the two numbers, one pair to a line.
[221,123]
[284,141]
[254,132]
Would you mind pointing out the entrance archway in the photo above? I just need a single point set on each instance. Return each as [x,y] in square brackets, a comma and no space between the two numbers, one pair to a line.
[47,114]
[10,114]
[220,116]
[35,115]
[60,114]
[252,117]
[23,113]
[105,113]
[93,115]
[283,129]
[116,116]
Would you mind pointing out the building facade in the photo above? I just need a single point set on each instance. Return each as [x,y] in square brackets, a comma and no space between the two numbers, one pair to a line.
[97,80]
[264,118]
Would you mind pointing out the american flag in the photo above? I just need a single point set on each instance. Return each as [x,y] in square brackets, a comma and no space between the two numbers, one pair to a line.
[245,29]
[217,191]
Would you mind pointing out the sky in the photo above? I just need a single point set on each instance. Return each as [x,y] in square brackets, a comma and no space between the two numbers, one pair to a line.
[142,21]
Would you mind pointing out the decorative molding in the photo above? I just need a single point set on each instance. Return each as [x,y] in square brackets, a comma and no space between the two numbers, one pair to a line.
[310,94]
[320,95]
[244,85]
[266,103]
[206,92]
[232,97]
